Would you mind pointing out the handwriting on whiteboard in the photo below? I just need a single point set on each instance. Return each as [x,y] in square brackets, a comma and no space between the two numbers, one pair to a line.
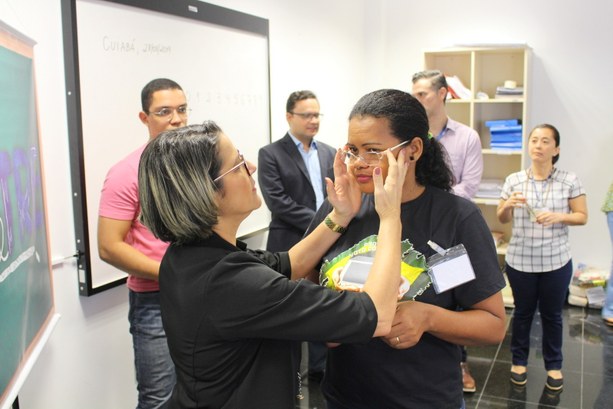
[134,46]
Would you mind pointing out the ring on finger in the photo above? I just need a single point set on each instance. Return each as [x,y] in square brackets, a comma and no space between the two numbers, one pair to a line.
[397,340]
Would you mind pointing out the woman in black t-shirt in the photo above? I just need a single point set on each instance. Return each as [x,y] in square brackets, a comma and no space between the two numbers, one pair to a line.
[416,365]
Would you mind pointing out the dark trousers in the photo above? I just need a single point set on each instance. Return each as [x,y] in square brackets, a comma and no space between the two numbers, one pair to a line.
[547,291]
[318,351]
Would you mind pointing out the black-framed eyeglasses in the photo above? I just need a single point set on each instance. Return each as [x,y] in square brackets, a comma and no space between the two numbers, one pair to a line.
[370,158]
[166,112]
[242,162]
[307,115]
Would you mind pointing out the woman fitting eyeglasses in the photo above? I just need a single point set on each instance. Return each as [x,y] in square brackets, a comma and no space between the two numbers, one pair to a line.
[234,317]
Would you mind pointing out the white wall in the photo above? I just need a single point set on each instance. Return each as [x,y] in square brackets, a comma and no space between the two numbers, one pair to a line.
[570,84]
[306,40]
[340,50]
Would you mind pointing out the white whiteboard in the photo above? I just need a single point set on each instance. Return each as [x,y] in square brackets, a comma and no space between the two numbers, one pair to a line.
[223,71]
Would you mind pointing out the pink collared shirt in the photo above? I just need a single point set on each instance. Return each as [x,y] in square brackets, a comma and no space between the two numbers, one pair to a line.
[119,200]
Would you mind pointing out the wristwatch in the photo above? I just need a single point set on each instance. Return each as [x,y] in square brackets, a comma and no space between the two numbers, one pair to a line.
[333,226]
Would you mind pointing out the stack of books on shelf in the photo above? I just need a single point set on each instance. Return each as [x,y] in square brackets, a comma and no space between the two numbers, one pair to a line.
[509,93]
[506,134]
[456,89]
[490,189]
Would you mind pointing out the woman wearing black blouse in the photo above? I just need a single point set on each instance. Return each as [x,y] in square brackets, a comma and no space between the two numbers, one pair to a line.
[235,317]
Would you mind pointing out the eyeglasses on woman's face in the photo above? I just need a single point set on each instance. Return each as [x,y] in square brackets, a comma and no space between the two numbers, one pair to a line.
[242,162]
[369,158]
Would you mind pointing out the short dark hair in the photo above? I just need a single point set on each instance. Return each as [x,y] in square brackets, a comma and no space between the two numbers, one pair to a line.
[296,96]
[152,86]
[436,77]
[176,183]
[556,137]
[407,120]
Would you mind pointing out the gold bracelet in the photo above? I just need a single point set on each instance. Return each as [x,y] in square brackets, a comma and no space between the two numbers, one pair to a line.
[333,226]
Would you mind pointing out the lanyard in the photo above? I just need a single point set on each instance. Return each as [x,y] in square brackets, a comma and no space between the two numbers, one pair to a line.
[544,190]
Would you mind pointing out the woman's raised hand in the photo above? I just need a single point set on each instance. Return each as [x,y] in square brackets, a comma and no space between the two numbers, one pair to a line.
[344,193]
[516,199]
[388,195]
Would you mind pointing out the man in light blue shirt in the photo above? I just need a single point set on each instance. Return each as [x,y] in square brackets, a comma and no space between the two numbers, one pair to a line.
[309,155]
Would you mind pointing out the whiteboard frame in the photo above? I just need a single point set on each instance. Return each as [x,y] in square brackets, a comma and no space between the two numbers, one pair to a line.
[197,11]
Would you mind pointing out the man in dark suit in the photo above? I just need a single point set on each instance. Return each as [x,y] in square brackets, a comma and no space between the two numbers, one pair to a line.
[291,174]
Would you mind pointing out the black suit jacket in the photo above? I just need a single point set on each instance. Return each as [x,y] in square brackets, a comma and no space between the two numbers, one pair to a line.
[287,189]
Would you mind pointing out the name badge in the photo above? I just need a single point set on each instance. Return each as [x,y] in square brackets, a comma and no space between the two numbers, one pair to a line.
[449,268]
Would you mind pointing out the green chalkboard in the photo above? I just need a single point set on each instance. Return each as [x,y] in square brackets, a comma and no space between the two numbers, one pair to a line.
[26,299]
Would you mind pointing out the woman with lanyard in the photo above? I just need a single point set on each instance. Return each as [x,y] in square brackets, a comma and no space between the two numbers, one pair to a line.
[542,201]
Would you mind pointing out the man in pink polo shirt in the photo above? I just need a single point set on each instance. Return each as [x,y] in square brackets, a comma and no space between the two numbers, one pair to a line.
[129,246]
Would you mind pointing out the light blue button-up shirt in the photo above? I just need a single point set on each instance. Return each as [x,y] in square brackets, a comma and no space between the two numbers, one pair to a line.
[311,160]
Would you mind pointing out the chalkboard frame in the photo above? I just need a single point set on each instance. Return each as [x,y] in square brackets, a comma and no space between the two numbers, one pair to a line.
[28,316]
[194,10]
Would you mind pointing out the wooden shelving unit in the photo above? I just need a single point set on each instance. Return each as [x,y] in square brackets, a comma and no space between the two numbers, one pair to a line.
[482,69]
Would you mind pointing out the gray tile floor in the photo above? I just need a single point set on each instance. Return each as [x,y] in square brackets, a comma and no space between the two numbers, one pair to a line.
[588,370]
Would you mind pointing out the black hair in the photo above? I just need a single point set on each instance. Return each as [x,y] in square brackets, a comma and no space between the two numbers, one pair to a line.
[153,86]
[407,120]
[296,96]
[556,137]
